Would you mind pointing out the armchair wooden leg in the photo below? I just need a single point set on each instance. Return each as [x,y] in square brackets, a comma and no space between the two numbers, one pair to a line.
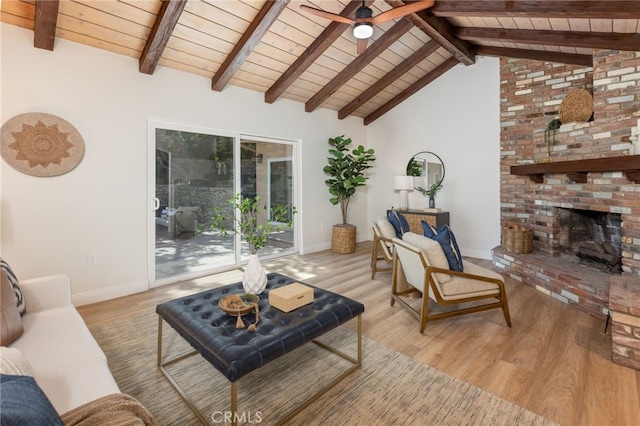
[424,311]
[505,310]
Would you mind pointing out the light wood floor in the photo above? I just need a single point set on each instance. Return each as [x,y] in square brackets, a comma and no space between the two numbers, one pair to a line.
[555,361]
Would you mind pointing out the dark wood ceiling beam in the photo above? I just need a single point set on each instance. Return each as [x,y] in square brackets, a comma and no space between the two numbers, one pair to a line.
[610,9]
[441,31]
[376,48]
[589,40]
[330,34]
[46,21]
[536,55]
[411,90]
[389,78]
[251,37]
[166,21]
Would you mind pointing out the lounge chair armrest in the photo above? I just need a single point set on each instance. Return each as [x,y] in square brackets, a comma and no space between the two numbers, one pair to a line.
[432,270]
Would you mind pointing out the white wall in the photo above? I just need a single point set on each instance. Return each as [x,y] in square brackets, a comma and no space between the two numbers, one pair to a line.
[458,117]
[49,225]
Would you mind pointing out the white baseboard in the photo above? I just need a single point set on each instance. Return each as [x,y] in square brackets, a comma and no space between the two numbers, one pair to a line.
[103,294]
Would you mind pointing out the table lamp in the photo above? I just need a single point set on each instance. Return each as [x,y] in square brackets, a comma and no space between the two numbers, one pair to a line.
[403,184]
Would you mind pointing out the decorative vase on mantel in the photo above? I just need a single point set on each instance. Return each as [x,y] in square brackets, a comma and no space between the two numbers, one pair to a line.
[254,279]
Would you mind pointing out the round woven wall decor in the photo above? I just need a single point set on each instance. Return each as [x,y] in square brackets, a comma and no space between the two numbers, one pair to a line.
[576,106]
[41,144]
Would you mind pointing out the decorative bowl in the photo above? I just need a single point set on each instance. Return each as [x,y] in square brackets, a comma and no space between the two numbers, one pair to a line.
[238,304]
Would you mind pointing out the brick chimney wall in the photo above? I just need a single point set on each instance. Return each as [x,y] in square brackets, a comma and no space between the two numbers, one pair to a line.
[531,94]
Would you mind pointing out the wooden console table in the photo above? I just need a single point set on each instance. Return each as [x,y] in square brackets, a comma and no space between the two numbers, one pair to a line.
[415,218]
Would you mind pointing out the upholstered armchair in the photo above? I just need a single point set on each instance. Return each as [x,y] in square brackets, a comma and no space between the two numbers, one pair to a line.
[426,270]
[382,249]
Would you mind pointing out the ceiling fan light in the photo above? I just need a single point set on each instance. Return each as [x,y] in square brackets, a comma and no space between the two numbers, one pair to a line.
[362,30]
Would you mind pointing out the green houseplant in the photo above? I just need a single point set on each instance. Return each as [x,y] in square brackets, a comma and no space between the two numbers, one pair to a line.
[431,192]
[346,170]
[255,231]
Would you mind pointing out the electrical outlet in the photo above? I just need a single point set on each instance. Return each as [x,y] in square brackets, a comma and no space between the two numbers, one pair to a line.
[91,259]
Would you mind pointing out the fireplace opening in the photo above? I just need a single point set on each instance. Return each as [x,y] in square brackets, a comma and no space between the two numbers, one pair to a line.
[591,239]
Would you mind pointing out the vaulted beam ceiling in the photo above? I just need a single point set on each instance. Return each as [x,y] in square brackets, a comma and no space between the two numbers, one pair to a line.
[601,9]
[554,38]
[330,34]
[44,31]
[536,55]
[257,29]
[407,93]
[373,51]
[274,47]
[413,60]
[163,27]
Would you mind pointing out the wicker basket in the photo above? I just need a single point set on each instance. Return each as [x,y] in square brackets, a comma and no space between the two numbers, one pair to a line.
[576,106]
[343,239]
[517,238]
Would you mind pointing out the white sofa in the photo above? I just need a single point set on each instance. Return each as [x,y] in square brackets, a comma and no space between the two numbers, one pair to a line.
[67,362]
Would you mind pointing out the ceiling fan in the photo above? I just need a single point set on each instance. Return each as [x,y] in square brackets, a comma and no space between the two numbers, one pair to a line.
[364,19]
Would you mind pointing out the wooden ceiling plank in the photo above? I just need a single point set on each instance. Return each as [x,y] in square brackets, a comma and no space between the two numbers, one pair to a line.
[163,27]
[257,29]
[383,42]
[536,55]
[620,41]
[612,9]
[84,14]
[46,20]
[389,78]
[330,34]
[410,91]
[440,30]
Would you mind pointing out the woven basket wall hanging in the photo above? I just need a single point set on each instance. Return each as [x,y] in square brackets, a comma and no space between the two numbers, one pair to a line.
[41,144]
[576,106]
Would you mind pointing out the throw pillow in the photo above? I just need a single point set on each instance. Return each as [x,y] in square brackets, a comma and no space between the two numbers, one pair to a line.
[24,403]
[433,252]
[22,307]
[386,228]
[13,362]
[448,242]
[399,223]
[10,321]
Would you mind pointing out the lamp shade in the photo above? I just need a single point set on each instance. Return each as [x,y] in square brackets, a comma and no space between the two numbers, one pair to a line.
[403,183]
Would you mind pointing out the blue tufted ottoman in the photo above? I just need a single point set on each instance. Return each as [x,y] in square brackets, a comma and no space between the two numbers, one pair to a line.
[235,352]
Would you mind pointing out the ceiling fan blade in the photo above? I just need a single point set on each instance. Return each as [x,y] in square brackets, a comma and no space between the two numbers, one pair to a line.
[327,15]
[401,11]
[362,45]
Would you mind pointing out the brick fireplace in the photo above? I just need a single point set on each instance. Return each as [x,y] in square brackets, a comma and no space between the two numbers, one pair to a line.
[581,173]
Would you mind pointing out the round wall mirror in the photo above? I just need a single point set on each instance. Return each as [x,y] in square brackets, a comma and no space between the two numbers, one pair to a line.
[428,165]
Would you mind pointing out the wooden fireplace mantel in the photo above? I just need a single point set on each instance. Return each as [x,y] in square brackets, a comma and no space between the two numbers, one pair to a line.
[577,170]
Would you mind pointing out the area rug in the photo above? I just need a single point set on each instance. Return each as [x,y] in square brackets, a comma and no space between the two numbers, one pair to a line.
[390,388]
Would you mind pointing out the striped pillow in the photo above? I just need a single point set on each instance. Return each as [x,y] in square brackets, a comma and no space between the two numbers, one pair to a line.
[22,307]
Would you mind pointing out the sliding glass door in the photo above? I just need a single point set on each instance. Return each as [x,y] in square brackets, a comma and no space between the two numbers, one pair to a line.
[193,171]
[269,176]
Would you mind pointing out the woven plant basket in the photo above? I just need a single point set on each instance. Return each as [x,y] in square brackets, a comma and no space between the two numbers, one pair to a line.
[517,238]
[576,106]
[343,239]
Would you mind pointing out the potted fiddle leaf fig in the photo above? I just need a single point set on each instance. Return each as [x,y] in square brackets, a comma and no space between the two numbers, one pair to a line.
[346,169]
